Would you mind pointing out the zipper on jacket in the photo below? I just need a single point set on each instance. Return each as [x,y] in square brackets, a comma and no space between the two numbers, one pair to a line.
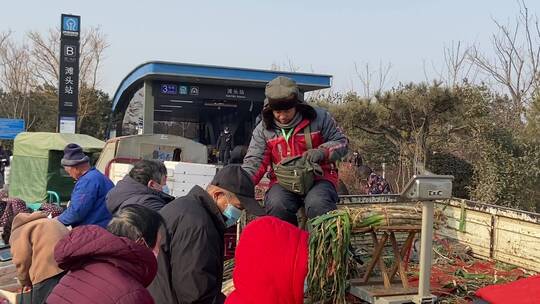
[287,135]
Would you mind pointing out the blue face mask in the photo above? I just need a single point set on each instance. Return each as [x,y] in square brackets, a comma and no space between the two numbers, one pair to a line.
[232,214]
[165,189]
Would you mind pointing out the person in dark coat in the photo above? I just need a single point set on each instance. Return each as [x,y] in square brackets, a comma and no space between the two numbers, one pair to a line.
[190,263]
[4,162]
[224,145]
[87,204]
[146,185]
[110,266]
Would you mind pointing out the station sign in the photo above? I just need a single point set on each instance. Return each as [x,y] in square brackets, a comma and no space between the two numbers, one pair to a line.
[68,90]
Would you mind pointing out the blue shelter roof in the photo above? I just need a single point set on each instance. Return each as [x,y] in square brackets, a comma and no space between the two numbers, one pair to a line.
[195,73]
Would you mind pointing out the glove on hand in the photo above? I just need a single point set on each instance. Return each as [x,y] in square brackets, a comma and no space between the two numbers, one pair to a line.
[314,155]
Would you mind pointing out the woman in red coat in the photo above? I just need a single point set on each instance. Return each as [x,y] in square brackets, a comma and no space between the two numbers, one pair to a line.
[110,266]
[271,263]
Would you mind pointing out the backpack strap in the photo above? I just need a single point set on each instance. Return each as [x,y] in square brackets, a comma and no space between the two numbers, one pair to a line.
[307,135]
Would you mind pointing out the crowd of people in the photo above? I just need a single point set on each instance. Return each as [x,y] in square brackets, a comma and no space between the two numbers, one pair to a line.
[135,243]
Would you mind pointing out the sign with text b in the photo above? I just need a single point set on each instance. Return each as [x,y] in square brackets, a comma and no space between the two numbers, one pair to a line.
[68,90]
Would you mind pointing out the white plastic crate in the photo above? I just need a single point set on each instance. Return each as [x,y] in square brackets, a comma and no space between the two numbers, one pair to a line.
[181,177]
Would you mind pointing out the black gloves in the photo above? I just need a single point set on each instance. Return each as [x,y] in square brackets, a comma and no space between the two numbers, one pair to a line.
[315,155]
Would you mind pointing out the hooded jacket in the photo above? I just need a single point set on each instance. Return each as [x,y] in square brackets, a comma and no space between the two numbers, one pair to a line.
[268,146]
[257,279]
[33,237]
[191,260]
[103,268]
[130,192]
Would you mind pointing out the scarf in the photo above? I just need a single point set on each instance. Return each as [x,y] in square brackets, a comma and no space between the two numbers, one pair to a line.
[295,121]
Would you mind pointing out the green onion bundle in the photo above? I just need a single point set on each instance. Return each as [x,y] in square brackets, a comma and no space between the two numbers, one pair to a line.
[329,241]
[330,237]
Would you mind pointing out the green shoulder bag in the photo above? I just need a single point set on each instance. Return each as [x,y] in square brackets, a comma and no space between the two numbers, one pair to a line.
[295,173]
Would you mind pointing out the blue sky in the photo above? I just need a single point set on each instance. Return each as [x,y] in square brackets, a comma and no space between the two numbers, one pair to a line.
[317,36]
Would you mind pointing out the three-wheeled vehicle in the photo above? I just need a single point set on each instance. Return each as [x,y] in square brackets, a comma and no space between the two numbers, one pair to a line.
[36,169]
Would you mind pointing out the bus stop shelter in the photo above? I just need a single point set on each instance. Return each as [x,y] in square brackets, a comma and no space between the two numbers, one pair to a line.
[196,101]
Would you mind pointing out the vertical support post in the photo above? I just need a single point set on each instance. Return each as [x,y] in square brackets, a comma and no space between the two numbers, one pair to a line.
[426,244]
[492,237]
[148,108]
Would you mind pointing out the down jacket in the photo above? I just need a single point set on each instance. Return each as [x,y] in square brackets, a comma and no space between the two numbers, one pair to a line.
[259,281]
[130,192]
[268,146]
[190,262]
[103,268]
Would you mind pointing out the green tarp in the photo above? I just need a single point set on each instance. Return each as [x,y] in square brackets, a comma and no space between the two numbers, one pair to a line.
[36,168]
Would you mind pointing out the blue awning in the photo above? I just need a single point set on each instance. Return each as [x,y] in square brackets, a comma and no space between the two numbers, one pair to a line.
[171,71]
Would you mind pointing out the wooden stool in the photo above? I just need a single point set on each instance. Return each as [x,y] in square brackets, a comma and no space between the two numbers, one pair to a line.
[388,233]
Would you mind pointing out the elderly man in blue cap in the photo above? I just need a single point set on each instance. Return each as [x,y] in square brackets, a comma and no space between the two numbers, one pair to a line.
[87,205]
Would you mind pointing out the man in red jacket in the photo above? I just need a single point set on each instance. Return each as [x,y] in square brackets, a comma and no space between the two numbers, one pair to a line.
[280,134]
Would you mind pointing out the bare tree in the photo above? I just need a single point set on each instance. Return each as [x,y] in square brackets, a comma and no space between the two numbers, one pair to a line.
[457,67]
[16,79]
[93,46]
[515,65]
[288,66]
[45,62]
[373,81]
[45,50]
[3,38]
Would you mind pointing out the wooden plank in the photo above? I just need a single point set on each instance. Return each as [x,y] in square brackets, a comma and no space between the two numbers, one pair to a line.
[398,228]
[477,232]
[517,243]
[377,250]
[515,237]
[472,217]
[399,261]
[477,247]
[386,278]
[519,227]
[406,247]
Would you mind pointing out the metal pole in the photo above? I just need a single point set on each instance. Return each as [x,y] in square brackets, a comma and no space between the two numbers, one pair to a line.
[426,244]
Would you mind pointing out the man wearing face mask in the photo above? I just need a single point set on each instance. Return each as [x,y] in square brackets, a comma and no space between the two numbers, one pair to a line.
[145,185]
[190,262]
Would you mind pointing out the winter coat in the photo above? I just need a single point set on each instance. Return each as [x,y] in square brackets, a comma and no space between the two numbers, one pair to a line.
[103,268]
[268,145]
[271,263]
[130,192]
[225,141]
[33,237]
[376,185]
[190,264]
[87,205]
